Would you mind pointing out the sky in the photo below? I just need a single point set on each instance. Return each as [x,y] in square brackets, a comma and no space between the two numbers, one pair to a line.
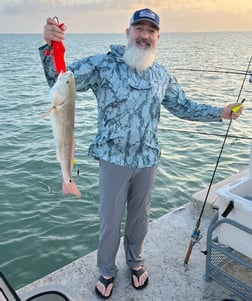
[112,16]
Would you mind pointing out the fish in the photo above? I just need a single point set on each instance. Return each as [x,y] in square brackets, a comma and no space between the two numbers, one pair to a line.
[62,115]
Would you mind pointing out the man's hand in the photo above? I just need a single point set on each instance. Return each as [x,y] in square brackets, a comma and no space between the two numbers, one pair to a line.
[52,32]
[227,112]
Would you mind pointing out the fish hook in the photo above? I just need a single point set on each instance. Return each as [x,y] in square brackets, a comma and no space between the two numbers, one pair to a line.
[56,19]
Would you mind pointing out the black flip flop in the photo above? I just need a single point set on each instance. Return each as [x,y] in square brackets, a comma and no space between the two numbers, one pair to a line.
[106,283]
[138,274]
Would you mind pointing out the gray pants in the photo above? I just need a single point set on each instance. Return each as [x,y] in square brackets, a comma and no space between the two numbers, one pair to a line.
[121,186]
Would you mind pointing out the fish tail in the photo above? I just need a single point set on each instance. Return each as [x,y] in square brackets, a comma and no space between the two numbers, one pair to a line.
[70,187]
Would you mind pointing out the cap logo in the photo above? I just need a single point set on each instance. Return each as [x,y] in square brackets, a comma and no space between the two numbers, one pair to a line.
[147,14]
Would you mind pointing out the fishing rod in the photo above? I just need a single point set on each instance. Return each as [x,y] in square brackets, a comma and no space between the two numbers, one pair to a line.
[196,235]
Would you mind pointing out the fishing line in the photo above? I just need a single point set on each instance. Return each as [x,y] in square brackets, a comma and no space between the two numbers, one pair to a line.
[208,134]
[196,235]
[233,69]
[230,71]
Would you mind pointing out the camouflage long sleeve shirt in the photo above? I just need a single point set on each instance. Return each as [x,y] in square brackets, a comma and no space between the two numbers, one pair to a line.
[129,105]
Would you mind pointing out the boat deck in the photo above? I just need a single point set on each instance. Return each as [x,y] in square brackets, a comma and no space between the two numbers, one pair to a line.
[165,249]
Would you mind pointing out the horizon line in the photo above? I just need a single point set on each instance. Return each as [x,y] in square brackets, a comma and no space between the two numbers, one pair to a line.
[165,32]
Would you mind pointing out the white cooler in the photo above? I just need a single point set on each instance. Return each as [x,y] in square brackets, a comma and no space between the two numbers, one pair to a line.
[240,192]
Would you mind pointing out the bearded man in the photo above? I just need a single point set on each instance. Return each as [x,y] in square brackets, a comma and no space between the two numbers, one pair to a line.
[130,89]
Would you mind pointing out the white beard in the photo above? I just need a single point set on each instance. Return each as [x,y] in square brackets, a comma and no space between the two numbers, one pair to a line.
[138,58]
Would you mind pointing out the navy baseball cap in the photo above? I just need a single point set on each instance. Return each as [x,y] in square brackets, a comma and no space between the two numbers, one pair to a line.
[147,15]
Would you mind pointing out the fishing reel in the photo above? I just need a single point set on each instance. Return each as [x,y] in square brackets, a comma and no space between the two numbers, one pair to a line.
[196,235]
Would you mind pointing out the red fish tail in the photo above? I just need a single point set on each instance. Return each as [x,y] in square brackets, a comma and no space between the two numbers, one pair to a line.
[70,187]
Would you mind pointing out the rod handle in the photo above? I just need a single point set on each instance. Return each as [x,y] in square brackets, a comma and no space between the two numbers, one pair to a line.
[188,253]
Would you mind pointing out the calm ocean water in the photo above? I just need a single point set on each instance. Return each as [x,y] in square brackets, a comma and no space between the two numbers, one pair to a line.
[41,230]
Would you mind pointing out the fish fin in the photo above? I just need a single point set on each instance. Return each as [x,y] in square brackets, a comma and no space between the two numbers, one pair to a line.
[57,157]
[70,187]
[47,114]
[73,151]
